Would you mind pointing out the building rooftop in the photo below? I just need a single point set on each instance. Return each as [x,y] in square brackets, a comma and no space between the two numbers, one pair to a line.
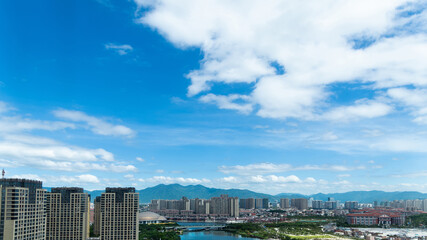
[150,216]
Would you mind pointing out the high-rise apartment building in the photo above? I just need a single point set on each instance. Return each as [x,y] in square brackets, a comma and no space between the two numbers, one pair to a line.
[118,215]
[261,203]
[258,203]
[318,204]
[225,205]
[331,205]
[97,216]
[248,203]
[67,214]
[351,205]
[299,203]
[284,203]
[22,209]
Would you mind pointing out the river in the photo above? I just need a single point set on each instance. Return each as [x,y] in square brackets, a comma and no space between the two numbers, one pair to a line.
[211,235]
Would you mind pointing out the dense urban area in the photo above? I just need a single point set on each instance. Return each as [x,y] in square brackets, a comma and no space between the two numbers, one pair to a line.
[28,211]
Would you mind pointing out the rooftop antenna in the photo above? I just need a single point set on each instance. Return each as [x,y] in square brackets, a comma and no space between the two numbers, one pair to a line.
[3,173]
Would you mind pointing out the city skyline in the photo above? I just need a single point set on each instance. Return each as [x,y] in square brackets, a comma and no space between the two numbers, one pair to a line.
[272,97]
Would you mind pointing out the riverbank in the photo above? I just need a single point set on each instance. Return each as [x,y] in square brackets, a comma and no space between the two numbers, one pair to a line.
[287,231]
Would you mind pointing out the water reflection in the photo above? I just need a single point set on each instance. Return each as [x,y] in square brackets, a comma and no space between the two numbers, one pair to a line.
[211,235]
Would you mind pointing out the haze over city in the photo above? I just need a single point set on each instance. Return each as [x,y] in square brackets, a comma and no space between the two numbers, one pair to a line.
[271,96]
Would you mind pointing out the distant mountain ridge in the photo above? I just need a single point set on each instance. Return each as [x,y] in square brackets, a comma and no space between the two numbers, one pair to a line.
[177,191]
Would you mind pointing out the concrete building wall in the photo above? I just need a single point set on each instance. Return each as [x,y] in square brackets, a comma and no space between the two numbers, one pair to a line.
[67,214]
[22,210]
[119,214]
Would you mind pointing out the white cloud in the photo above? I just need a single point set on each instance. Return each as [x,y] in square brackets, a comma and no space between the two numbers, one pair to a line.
[129,176]
[415,99]
[88,178]
[120,49]
[43,153]
[227,102]
[181,180]
[97,125]
[411,175]
[18,124]
[361,109]
[329,136]
[4,107]
[81,179]
[316,43]
[288,179]
[263,168]
[401,143]
[259,168]
[140,159]
[230,179]
[28,176]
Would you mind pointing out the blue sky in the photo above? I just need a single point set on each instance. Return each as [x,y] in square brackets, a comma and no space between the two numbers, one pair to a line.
[285,96]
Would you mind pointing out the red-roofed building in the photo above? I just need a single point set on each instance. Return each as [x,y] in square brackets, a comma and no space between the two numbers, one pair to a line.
[376,217]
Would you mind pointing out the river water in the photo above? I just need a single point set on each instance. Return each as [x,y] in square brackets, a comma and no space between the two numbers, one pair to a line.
[211,235]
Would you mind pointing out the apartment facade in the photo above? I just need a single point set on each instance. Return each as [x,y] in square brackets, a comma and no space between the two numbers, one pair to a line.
[67,212]
[299,203]
[284,203]
[118,214]
[22,209]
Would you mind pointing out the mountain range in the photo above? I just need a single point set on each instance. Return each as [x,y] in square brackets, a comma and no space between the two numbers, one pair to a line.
[177,191]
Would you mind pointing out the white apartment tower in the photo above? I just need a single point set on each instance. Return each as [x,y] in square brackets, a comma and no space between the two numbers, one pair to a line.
[67,212]
[118,214]
[22,209]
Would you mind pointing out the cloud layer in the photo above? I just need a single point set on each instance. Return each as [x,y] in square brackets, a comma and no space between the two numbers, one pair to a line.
[19,147]
[292,52]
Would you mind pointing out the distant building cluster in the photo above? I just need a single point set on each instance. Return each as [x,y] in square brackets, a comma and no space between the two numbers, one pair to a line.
[219,206]
[30,212]
[412,205]
[254,203]
[298,203]
[331,204]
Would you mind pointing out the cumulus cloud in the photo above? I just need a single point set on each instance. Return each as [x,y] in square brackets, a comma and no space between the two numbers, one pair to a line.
[228,102]
[361,109]
[230,179]
[19,124]
[282,179]
[44,153]
[414,99]
[181,180]
[120,49]
[97,125]
[263,168]
[291,52]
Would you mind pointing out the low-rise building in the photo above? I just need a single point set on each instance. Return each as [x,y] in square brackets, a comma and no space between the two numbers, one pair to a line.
[376,217]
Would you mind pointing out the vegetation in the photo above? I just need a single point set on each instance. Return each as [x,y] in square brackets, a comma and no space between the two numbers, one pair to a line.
[158,232]
[91,233]
[419,220]
[316,217]
[287,230]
